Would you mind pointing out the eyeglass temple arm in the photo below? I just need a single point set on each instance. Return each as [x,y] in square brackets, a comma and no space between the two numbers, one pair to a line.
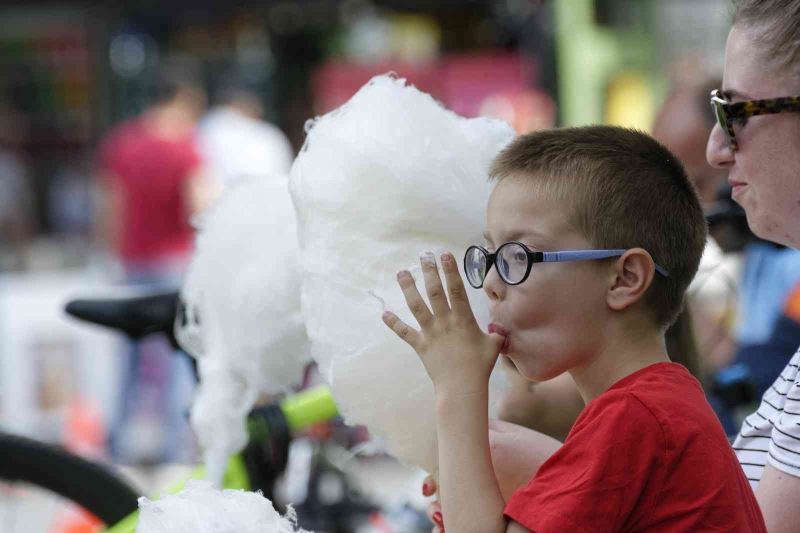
[742,109]
[583,255]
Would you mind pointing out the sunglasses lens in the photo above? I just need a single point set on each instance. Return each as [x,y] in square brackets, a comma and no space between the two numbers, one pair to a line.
[475,266]
[722,119]
[512,263]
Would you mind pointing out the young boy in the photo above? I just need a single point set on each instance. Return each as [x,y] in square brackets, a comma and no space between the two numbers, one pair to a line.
[647,453]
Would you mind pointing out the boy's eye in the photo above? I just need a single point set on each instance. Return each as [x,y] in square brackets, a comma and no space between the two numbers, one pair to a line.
[521,257]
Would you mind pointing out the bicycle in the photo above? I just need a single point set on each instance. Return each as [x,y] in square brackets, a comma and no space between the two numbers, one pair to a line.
[111,499]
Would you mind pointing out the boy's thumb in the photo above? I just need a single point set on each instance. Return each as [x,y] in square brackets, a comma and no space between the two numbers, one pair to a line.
[497,341]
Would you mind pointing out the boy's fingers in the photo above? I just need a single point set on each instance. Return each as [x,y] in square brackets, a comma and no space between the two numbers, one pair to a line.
[433,508]
[455,286]
[414,300]
[403,330]
[433,285]
[429,487]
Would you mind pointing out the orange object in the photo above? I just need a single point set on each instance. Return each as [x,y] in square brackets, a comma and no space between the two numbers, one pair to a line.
[84,435]
[74,519]
[792,308]
[83,430]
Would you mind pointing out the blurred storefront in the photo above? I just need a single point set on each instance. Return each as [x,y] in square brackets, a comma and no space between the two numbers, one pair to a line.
[70,70]
[73,70]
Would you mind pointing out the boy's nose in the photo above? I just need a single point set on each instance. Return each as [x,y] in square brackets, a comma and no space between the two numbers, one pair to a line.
[493,285]
[718,152]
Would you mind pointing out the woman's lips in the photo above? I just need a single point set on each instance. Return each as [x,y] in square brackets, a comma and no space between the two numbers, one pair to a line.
[736,187]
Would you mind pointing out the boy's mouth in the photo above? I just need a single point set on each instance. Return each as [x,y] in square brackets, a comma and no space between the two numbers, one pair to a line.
[500,330]
[497,328]
[506,345]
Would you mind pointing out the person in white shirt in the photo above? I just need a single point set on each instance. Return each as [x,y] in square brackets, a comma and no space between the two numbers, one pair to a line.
[236,142]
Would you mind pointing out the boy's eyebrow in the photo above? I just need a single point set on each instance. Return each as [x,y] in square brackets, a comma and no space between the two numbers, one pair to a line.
[516,236]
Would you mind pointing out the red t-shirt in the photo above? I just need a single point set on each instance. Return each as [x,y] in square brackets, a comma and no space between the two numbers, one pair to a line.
[647,455]
[151,174]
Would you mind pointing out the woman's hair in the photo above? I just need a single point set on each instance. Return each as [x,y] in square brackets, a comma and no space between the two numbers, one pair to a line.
[682,344]
[778,25]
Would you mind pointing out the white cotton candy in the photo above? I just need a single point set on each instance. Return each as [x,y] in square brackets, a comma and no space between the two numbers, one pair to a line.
[243,290]
[386,177]
[200,508]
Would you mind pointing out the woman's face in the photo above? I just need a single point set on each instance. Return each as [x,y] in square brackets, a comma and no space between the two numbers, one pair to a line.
[765,171]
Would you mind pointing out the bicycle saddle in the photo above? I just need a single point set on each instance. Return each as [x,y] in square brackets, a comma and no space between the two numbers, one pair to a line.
[136,316]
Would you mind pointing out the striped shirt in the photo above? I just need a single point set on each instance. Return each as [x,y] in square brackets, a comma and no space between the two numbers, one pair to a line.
[772,433]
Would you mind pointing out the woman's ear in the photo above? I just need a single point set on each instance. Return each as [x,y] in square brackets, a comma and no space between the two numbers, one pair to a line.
[632,275]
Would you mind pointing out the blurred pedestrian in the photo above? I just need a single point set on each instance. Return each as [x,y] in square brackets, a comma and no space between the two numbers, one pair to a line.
[236,141]
[16,196]
[151,181]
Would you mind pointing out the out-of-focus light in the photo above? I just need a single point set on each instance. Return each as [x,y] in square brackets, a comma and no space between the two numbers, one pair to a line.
[286,18]
[127,55]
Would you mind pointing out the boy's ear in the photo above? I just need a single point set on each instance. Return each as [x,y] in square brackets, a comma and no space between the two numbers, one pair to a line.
[632,275]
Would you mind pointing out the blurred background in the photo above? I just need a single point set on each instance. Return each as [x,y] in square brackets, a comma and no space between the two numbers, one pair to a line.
[70,72]
[82,83]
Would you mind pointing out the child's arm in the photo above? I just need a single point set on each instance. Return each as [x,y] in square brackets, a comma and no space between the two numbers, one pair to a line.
[459,358]
[517,454]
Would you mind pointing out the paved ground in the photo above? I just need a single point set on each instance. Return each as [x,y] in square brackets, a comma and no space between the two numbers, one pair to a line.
[24,509]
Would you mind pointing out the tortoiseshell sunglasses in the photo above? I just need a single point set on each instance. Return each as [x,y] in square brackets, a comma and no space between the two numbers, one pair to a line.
[730,113]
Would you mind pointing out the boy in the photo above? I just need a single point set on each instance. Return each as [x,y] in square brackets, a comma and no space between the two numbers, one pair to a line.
[647,453]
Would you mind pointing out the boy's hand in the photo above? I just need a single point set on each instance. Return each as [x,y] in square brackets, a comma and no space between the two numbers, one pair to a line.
[457,355]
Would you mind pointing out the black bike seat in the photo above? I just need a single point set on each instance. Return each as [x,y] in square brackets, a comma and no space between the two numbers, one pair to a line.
[136,316]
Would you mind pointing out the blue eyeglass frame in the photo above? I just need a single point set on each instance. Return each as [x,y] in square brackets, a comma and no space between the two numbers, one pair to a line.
[546,257]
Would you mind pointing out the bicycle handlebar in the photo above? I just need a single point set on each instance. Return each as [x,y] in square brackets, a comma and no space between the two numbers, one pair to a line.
[308,407]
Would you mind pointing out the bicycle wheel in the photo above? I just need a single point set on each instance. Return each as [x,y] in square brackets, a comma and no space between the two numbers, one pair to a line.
[88,484]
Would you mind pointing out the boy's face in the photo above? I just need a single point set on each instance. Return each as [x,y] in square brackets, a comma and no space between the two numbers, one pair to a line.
[555,318]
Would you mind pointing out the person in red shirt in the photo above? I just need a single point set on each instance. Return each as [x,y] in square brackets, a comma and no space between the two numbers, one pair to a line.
[593,235]
[150,174]
[151,182]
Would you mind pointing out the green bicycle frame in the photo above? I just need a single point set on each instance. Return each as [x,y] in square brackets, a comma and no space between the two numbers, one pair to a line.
[300,410]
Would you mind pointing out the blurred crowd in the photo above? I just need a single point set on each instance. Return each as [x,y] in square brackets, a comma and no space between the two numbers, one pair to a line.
[152,121]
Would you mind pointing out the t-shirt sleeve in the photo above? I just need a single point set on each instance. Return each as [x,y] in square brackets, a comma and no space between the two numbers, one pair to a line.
[784,445]
[597,478]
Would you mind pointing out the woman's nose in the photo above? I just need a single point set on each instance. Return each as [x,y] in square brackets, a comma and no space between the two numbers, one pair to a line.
[718,152]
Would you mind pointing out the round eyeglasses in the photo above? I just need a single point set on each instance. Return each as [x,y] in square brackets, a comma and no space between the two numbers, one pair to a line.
[514,261]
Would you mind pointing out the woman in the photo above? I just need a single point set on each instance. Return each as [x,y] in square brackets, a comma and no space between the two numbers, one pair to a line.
[757,140]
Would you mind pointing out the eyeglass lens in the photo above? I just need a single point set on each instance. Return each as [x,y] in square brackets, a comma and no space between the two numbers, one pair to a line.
[475,266]
[722,119]
[512,262]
